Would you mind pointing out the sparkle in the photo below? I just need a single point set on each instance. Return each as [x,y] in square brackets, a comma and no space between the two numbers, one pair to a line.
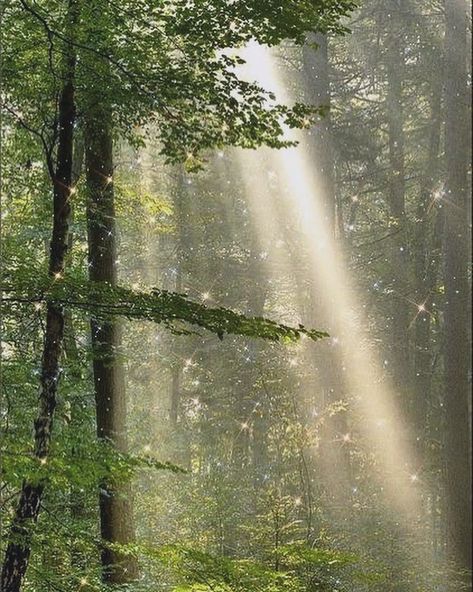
[298,501]
[58,275]
[205,296]
[37,306]
[245,426]
[414,478]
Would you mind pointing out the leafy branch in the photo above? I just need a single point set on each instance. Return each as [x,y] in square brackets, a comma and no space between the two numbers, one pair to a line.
[176,311]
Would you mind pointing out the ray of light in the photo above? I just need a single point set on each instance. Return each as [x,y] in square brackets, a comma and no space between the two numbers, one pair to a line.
[378,400]
[260,185]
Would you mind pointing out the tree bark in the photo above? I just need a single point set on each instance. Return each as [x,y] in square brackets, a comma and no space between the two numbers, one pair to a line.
[116,520]
[457,351]
[18,551]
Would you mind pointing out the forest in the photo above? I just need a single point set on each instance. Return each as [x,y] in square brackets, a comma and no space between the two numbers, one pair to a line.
[235,296]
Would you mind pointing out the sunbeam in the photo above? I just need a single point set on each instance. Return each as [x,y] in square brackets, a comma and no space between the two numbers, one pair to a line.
[374,395]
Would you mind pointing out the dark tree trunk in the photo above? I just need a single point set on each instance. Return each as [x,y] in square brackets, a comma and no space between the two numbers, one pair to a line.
[457,351]
[19,547]
[116,518]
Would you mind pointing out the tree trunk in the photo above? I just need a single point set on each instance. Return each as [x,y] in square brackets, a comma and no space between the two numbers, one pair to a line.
[256,415]
[457,351]
[317,85]
[427,256]
[182,214]
[19,547]
[243,454]
[116,519]
[334,459]
[396,198]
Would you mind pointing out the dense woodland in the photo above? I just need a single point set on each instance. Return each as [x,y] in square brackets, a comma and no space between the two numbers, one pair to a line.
[235,296]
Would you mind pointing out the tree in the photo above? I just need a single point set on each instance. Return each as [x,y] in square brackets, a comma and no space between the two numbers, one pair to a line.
[395,63]
[334,463]
[116,516]
[29,504]
[195,109]
[457,354]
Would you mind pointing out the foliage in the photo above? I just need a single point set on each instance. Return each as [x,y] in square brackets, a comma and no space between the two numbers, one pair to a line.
[249,499]
[201,572]
[104,301]
[175,71]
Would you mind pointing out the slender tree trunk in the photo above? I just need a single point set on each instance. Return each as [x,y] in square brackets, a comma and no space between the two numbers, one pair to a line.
[427,257]
[397,197]
[317,85]
[242,454]
[182,219]
[175,394]
[18,551]
[334,460]
[257,415]
[116,518]
[457,351]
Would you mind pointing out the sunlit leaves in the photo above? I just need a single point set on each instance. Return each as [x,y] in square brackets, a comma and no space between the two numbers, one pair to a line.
[194,570]
[173,62]
[77,465]
[175,311]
